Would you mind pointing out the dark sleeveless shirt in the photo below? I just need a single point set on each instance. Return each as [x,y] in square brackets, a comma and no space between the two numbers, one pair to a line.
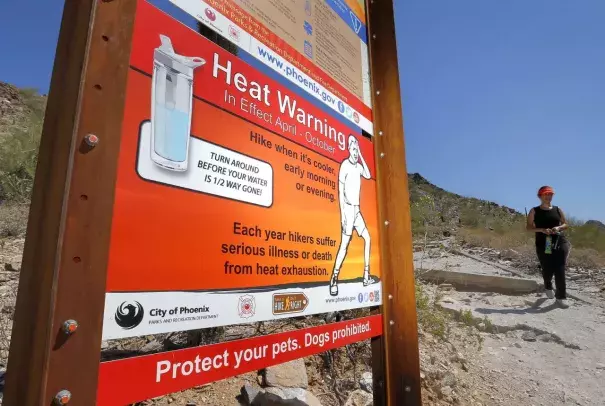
[547,219]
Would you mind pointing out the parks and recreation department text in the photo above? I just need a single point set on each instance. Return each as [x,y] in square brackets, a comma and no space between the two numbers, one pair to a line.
[184,319]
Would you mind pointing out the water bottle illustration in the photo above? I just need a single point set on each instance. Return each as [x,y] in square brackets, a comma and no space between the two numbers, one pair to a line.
[171,106]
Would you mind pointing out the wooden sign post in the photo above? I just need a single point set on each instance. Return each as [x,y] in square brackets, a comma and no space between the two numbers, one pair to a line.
[400,340]
[93,170]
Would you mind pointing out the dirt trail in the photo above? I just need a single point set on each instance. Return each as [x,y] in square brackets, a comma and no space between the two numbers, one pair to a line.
[538,353]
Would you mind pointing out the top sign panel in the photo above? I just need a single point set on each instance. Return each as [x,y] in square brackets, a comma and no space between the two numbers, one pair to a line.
[318,32]
[319,45]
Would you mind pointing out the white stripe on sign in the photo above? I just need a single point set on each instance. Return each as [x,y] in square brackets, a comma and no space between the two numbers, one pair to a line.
[140,313]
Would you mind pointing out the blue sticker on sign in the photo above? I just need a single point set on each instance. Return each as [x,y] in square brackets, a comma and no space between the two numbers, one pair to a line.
[308,49]
[308,28]
[349,17]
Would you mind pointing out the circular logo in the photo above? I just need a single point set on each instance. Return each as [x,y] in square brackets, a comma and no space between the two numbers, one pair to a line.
[349,112]
[341,107]
[129,315]
[366,297]
[371,296]
[246,306]
[210,14]
[360,298]
[356,117]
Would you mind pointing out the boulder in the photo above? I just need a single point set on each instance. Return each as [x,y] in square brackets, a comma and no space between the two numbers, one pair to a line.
[269,399]
[249,394]
[279,397]
[366,382]
[292,374]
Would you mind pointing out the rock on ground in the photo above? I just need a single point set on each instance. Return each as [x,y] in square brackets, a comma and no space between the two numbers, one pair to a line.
[292,374]
[360,398]
[366,382]
[275,396]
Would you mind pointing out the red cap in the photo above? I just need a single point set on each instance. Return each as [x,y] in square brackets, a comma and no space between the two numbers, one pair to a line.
[546,190]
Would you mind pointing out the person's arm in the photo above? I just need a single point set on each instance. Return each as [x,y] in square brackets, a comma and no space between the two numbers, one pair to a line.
[365,170]
[563,225]
[531,226]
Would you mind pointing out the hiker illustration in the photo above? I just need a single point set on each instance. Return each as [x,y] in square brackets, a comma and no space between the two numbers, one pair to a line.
[351,171]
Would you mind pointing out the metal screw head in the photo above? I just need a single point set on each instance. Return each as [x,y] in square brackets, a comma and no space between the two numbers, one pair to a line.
[392,323]
[408,389]
[70,327]
[63,397]
[91,140]
[386,223]
[390,297]
[377,91]
[379,132]
[382,154]
[374,36]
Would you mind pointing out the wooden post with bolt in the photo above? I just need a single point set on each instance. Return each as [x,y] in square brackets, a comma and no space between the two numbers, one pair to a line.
[56,339]
[396,362]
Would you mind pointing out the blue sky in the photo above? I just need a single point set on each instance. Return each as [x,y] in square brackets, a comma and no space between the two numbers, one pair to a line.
[499,97]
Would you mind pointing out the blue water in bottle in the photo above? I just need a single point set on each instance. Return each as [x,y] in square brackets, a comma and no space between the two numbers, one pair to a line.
[172,132]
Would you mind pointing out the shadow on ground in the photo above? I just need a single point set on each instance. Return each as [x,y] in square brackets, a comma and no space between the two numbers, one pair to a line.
[535,308]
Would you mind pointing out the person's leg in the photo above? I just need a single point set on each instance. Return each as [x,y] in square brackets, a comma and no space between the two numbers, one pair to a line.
[342,251]
[347,224]
[340,257]
[362,231]
[547,272]
[559,266]
[367,278]
[366,248]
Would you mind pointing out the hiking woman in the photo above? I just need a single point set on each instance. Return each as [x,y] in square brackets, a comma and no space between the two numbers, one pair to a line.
[547,222]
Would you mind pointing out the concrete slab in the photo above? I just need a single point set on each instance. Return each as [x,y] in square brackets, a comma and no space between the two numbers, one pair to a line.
[482,283]
[485,261]
[451,262]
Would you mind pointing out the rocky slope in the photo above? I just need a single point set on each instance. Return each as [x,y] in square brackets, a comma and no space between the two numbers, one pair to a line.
[451,209]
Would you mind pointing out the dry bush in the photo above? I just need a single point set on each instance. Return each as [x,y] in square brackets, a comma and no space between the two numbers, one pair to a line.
[586,258]
[480,237]
[13,219]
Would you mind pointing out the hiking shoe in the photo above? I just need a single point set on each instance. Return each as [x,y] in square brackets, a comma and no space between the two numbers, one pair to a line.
[562,303]
[550,293]
[369,280]
[334,283]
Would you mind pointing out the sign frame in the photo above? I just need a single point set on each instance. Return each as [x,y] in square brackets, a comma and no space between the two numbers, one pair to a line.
[67,246]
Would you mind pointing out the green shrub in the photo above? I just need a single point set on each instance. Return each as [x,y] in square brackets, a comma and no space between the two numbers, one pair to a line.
[19,143]
[431,317]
